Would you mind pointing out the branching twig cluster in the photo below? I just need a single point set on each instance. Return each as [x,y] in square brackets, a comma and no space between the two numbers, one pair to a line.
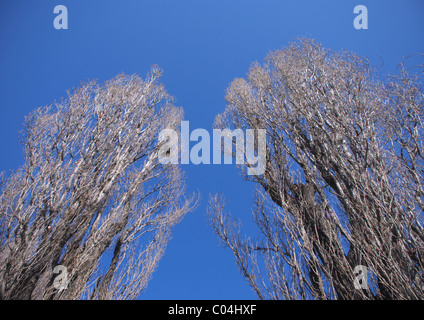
[92,195]
[344,179]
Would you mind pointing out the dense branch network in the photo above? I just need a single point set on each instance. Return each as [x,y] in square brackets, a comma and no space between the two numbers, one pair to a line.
[343,185]
[92,195]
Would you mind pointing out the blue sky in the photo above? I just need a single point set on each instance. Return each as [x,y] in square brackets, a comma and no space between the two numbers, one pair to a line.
[201,46]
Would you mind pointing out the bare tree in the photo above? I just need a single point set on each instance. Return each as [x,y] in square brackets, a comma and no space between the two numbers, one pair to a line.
[343,187]
[92,196]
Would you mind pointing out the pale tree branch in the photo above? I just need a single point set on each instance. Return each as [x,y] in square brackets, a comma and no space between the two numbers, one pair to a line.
[343,184]
[91,191]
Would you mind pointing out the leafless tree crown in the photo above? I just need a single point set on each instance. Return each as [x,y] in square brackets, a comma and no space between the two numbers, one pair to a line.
[92,195]
[343,185]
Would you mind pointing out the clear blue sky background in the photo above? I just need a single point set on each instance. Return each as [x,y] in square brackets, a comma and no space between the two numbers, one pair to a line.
[202,45]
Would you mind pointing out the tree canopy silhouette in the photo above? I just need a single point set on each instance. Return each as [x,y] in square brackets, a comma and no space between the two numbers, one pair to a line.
[343,185]
[92,196]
